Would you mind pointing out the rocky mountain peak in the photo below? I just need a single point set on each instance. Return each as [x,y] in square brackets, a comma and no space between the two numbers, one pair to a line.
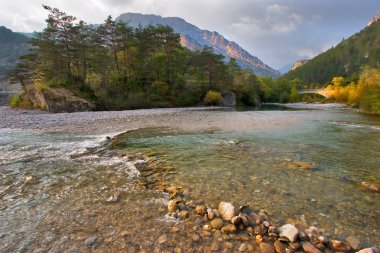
[195,38]
[298,64]
[374,19]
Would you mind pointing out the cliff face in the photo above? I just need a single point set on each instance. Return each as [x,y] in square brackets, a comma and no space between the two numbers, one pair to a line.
[195,39]
[298,64]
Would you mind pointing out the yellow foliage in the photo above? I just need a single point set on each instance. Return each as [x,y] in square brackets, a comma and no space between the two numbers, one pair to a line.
[213,98]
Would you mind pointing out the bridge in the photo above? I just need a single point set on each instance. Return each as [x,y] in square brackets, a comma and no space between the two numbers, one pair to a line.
[324,92]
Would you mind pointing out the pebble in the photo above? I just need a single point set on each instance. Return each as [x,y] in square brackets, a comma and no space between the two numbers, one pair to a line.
[354,242]
[200,210]
[266,248]
[175,229]
[340,246]
[243,247]
[173,205]
[230,228]
[195,237]
[228,245]
[259,239]
[368,250]
[183,215]
[280,247]
[310,248]
[207,227]
[289,231]
[236,220]
[215,246]
[266,223]
[90,241]
[210,214]
[124,233]
[162,239]
[226,210]
[217,223]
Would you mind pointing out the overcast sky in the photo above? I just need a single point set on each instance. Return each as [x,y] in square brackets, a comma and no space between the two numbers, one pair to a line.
[277,31]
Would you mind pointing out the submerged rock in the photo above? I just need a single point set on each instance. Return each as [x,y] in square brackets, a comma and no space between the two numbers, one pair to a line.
[200,210]
[183,215]
[303,165]
[173,206]
[90,241]
[226,210]
[162,239]
[289,231]
[217,223]
[266,248]
[230,228]
[280,247]
[310,248]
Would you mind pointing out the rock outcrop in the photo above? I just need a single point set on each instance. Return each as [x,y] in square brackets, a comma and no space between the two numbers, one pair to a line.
[58,100]
[298,64]
[374,19]
[195,38]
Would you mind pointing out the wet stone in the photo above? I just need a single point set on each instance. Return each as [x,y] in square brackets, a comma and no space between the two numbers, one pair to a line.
[226,211]
[236,220]
[266,248]
[289,231]
[228,245]
[243,247]
[295,245]
[310,248]
[200,210]
[230,228]
[280,247]
[162,239]
[354,242]
[340,246]
[217,223]
[195,237]
[90,241]
[183,215]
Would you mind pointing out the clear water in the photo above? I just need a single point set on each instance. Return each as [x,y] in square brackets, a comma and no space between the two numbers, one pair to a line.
[53,199]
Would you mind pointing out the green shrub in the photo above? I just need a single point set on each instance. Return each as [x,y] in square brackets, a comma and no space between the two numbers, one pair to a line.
[213,98]
[15,101]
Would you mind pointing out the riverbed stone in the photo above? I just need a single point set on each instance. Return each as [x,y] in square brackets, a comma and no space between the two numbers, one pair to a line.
[289,231]
[217,223]
[369,250]
[243,247]
[226,210]
[200,210]
[162,239]
[310,248]
[267,248]
[230,228]
[354,242]
[183,215]
[210,214]
[236,220]
[340,246]
[90,241]
[279,247]
[173,205]
[228,245]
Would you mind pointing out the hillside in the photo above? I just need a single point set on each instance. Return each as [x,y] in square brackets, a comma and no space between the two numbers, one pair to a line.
[12,45]
[346,59]
[194,38]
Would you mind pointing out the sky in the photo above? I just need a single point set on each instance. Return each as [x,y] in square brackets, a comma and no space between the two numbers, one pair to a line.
[278,32]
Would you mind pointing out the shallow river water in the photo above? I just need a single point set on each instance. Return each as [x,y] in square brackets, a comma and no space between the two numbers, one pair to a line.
[67,191]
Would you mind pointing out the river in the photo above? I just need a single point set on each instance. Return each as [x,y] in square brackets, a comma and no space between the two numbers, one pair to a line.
[65,187]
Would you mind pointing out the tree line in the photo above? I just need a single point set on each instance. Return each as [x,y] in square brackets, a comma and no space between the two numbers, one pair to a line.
[120,67]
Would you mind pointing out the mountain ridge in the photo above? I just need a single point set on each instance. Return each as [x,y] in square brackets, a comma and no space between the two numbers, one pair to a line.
[195,38]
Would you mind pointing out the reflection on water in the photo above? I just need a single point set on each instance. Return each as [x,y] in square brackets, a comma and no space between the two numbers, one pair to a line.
[53,199]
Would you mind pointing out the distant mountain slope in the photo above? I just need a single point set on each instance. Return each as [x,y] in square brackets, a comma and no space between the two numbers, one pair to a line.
[194,38]
[12,45]
[346,59]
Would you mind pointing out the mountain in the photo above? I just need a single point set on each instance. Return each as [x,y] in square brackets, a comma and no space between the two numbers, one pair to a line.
[12,45]
[286,68]
[194,38]
[346,59]
[298,64]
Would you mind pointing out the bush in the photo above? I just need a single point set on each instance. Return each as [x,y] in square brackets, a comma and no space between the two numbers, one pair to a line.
[213,98]
[15,101]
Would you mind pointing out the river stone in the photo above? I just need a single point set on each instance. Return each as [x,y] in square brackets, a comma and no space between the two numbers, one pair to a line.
[228,245]
[162,239]
[217,223]
[280,247]
[210,214]
[266,223]
[289,231]
[226,210]
[259,239]
[230,228]
[173,206]
[243,247]
[183,215]
[354,242]
[310,248]
[340,246]
[195,237]
[266,248]
[200,210]
[236,220]
[257,218]
[369,250]
[90,241]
